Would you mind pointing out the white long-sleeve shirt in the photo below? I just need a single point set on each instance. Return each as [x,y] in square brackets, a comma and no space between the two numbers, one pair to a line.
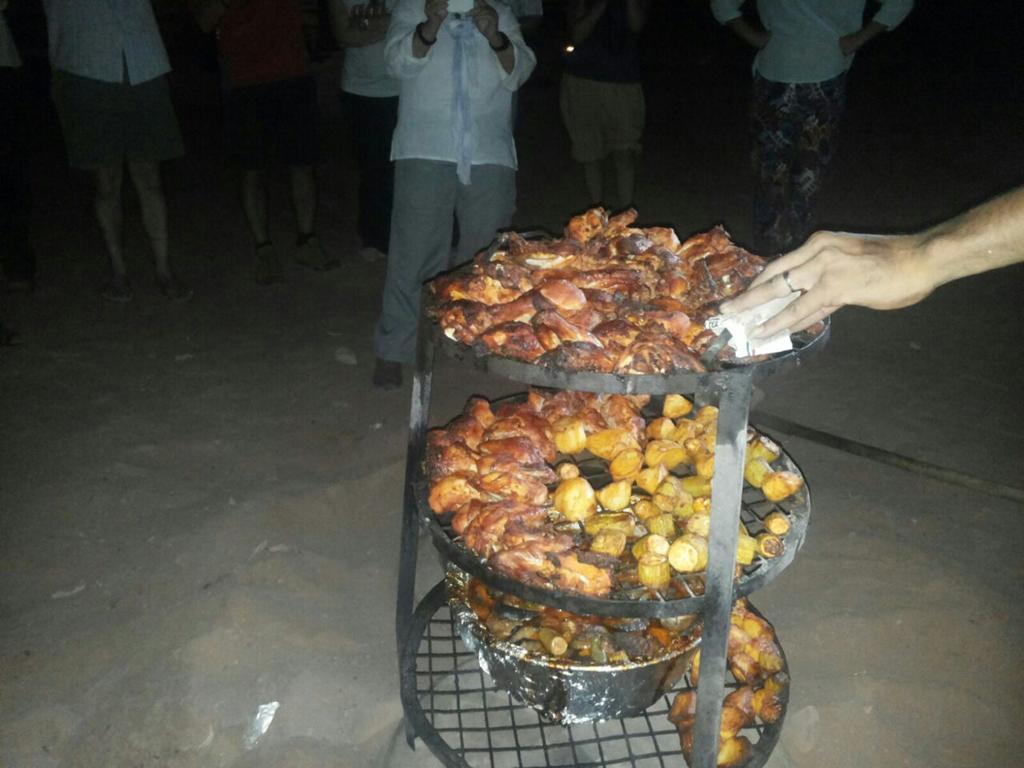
[99,39]
[428,92]
[804,43]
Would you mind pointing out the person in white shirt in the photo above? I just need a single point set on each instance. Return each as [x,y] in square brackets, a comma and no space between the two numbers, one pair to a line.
[110,90]
[17,256]
[805,48]
[369,98]
[453,150]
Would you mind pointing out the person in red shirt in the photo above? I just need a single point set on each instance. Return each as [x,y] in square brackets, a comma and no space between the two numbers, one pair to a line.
[269,104]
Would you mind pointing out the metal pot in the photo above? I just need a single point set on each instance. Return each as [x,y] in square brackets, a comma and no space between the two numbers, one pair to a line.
[565,691]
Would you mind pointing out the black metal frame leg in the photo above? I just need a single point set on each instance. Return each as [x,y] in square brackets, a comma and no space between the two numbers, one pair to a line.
[419,413]
[726,496]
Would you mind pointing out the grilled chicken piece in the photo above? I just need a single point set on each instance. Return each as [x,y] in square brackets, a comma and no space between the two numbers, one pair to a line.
[519,448]
[579,356]
[480,409]
[483,535]
[562,328]
[562,294]
[516,340]
[620,411]
[572,575]
[521,310]
[517,486]
[588,318]
[675,323]
[541,472]
[616,335]
[465,514]
[536,538]
[624,282]
[446,456]
[467,430]
[528,425]
[587,225]
[655,351]
[480,288]
[453,491]
[541,254]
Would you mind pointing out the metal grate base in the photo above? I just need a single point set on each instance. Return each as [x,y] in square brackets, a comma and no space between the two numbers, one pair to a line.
[467,722]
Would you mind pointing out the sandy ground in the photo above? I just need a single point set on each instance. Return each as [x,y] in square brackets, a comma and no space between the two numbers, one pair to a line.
[199,503]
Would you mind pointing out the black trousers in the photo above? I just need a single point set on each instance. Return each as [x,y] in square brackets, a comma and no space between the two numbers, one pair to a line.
[372,122]
[16,255]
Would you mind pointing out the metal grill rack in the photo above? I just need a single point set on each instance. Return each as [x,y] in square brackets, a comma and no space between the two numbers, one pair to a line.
[730,390]
[469,722]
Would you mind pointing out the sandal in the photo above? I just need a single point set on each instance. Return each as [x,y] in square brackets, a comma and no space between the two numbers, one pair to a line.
[309,253]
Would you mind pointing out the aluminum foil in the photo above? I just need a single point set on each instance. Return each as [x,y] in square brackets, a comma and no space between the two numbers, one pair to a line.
[564,691]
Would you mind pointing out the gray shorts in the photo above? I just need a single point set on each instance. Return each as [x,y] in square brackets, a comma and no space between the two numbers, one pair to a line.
[108,123]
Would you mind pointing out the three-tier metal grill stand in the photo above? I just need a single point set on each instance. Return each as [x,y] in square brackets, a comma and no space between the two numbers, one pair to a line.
[449,702]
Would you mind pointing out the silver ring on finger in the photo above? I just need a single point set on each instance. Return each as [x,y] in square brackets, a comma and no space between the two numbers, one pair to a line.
[785,279]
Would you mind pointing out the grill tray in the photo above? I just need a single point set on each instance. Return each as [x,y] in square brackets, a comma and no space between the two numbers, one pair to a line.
[467,722]
[754,576]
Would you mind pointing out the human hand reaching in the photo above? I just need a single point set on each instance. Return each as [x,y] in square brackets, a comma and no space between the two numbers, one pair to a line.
[833,270]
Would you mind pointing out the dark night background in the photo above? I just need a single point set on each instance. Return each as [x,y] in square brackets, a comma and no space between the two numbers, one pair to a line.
[199,502]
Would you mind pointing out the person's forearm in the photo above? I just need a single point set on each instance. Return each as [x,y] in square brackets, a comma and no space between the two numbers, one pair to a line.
[427,30]
[987,237]
[507,57]
[747,32]
[583,19]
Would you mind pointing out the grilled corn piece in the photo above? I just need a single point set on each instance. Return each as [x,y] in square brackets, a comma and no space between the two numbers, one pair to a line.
[615,496]
[654,571]
[777,523]
[609,542]
[769,545]
[780,485]
[688,553]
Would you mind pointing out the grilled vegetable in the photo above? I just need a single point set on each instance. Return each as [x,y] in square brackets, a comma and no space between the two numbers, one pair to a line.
[652,544]
[662,525]
[695,485]
[575,499]
[553,642]
[699,523]
[610,521]
[756,471]
[567,470]
[705,465]
[669,494]
[615,496]
[777,523]
[676,406]
[609,542]
[660,429]
[707,414]
[570,435]
[769,545]
[649,479]
[626,464]
[607,443]
[761,447]
[666,452]
[688,553]
[779,485]
[746,548]
[645,508]
[654,571]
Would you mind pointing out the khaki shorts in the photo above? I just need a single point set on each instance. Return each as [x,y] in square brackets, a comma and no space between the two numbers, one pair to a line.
[602,118]
[107,123]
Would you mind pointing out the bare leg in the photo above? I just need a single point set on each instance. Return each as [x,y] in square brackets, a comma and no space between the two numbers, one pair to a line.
[625,176]
[146,178]
[110,215]
[303,182]
[593,172]
[254,202]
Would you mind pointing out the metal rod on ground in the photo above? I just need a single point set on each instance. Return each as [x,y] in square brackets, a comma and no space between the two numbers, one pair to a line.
[934,471]
[726,496]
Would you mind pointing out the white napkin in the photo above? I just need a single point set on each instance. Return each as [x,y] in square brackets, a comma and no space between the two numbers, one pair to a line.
[739,323]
